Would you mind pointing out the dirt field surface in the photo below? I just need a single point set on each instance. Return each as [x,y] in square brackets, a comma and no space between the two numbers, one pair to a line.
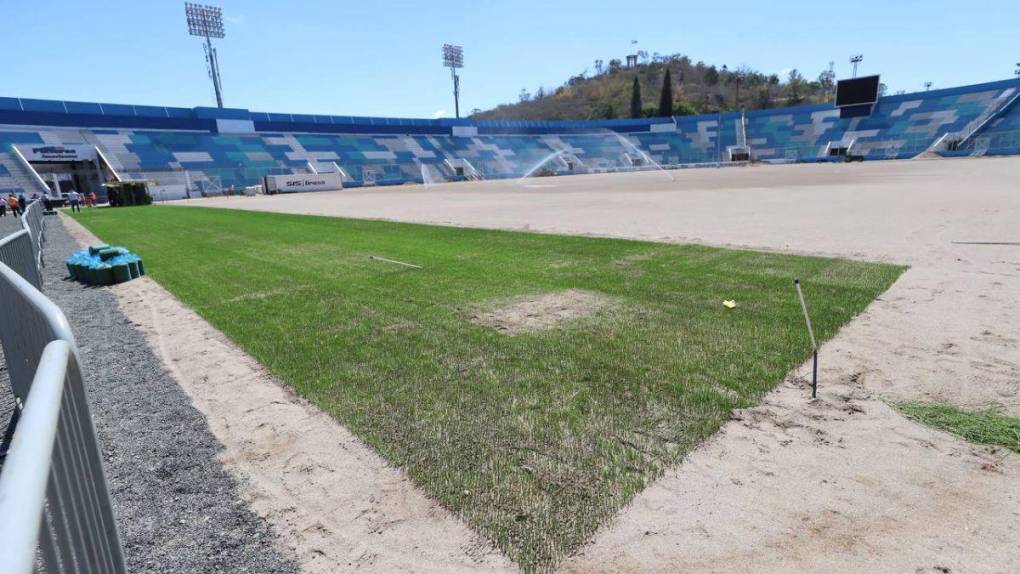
[843,483]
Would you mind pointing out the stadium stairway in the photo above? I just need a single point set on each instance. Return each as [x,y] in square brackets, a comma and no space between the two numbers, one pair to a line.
[998,134]
[900,127]
[15,177]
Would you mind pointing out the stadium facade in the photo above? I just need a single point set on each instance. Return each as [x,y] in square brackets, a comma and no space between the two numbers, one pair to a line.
[49,146]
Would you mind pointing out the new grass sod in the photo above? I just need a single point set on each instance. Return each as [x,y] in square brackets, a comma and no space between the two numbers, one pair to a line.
[989,426]
[535,439]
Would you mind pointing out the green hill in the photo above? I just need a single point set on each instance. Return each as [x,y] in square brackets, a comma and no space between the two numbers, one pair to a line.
[697,88]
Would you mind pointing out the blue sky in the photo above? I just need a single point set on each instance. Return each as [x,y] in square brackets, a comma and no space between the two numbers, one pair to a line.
[383,57]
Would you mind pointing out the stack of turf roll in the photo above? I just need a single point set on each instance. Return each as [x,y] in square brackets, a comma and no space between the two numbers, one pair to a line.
[104,265]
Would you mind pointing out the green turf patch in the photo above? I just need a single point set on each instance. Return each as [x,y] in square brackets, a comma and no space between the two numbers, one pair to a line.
[537,437]
[987,426]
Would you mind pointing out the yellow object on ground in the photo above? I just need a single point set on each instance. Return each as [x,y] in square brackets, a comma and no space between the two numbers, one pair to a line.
[729,304]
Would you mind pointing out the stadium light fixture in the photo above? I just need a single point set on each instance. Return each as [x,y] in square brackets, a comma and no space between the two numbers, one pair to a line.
[928,85]
[1016,72]
[207,22]
[856,60]
[453,58]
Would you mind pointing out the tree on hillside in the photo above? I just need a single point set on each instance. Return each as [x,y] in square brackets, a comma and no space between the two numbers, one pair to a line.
[827,80]
[795,86]
[711,76]
[608,91]
[603,111]
[684,109]
[734,79]
[666,98]
[635,99]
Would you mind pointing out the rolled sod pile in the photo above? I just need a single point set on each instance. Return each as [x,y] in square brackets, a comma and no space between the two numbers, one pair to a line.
[104,265]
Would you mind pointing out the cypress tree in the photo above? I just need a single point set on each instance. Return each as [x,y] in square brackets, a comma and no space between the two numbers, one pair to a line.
[635,99]
[666,99]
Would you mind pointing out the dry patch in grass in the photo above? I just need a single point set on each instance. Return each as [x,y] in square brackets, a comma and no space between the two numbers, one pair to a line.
[540,312]
[255,295]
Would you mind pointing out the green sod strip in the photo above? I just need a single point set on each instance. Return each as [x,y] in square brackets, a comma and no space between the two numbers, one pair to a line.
[981,427]
[534,439]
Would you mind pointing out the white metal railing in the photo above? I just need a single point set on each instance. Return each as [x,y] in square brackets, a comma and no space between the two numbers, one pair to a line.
[469,170]
[987,120]
[24,480]
[344,176]
[936,145]
[55,509]
[53,497]
[16,252]
[32,221]
[109,166]
[32,173]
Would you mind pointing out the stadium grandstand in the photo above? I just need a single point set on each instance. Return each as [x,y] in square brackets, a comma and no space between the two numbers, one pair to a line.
[49,145]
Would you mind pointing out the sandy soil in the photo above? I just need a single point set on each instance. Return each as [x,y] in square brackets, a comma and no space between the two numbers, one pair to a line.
[843,483]
[542,311]
[337,506]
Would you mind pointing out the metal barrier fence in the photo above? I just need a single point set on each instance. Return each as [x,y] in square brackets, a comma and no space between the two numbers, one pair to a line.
[17,252]
[52,492]
[72,526]
[32,221]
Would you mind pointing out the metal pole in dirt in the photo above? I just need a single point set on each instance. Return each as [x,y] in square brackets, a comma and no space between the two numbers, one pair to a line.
[394,261]
[814,344]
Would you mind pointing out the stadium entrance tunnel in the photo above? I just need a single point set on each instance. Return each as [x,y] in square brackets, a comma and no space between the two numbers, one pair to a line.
[57,169]
[62,177]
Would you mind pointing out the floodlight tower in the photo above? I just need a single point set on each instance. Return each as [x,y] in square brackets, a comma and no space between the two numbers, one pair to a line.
[1016,72]
[453,58]
[207,22]
[855,60]
[928,85]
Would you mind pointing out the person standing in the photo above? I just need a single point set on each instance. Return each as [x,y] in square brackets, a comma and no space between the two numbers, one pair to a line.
[12,202]
[3,207]
[90,199]
[74,200]
[22,203]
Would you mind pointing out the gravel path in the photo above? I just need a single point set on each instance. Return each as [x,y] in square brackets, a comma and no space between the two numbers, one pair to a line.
[177,508]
